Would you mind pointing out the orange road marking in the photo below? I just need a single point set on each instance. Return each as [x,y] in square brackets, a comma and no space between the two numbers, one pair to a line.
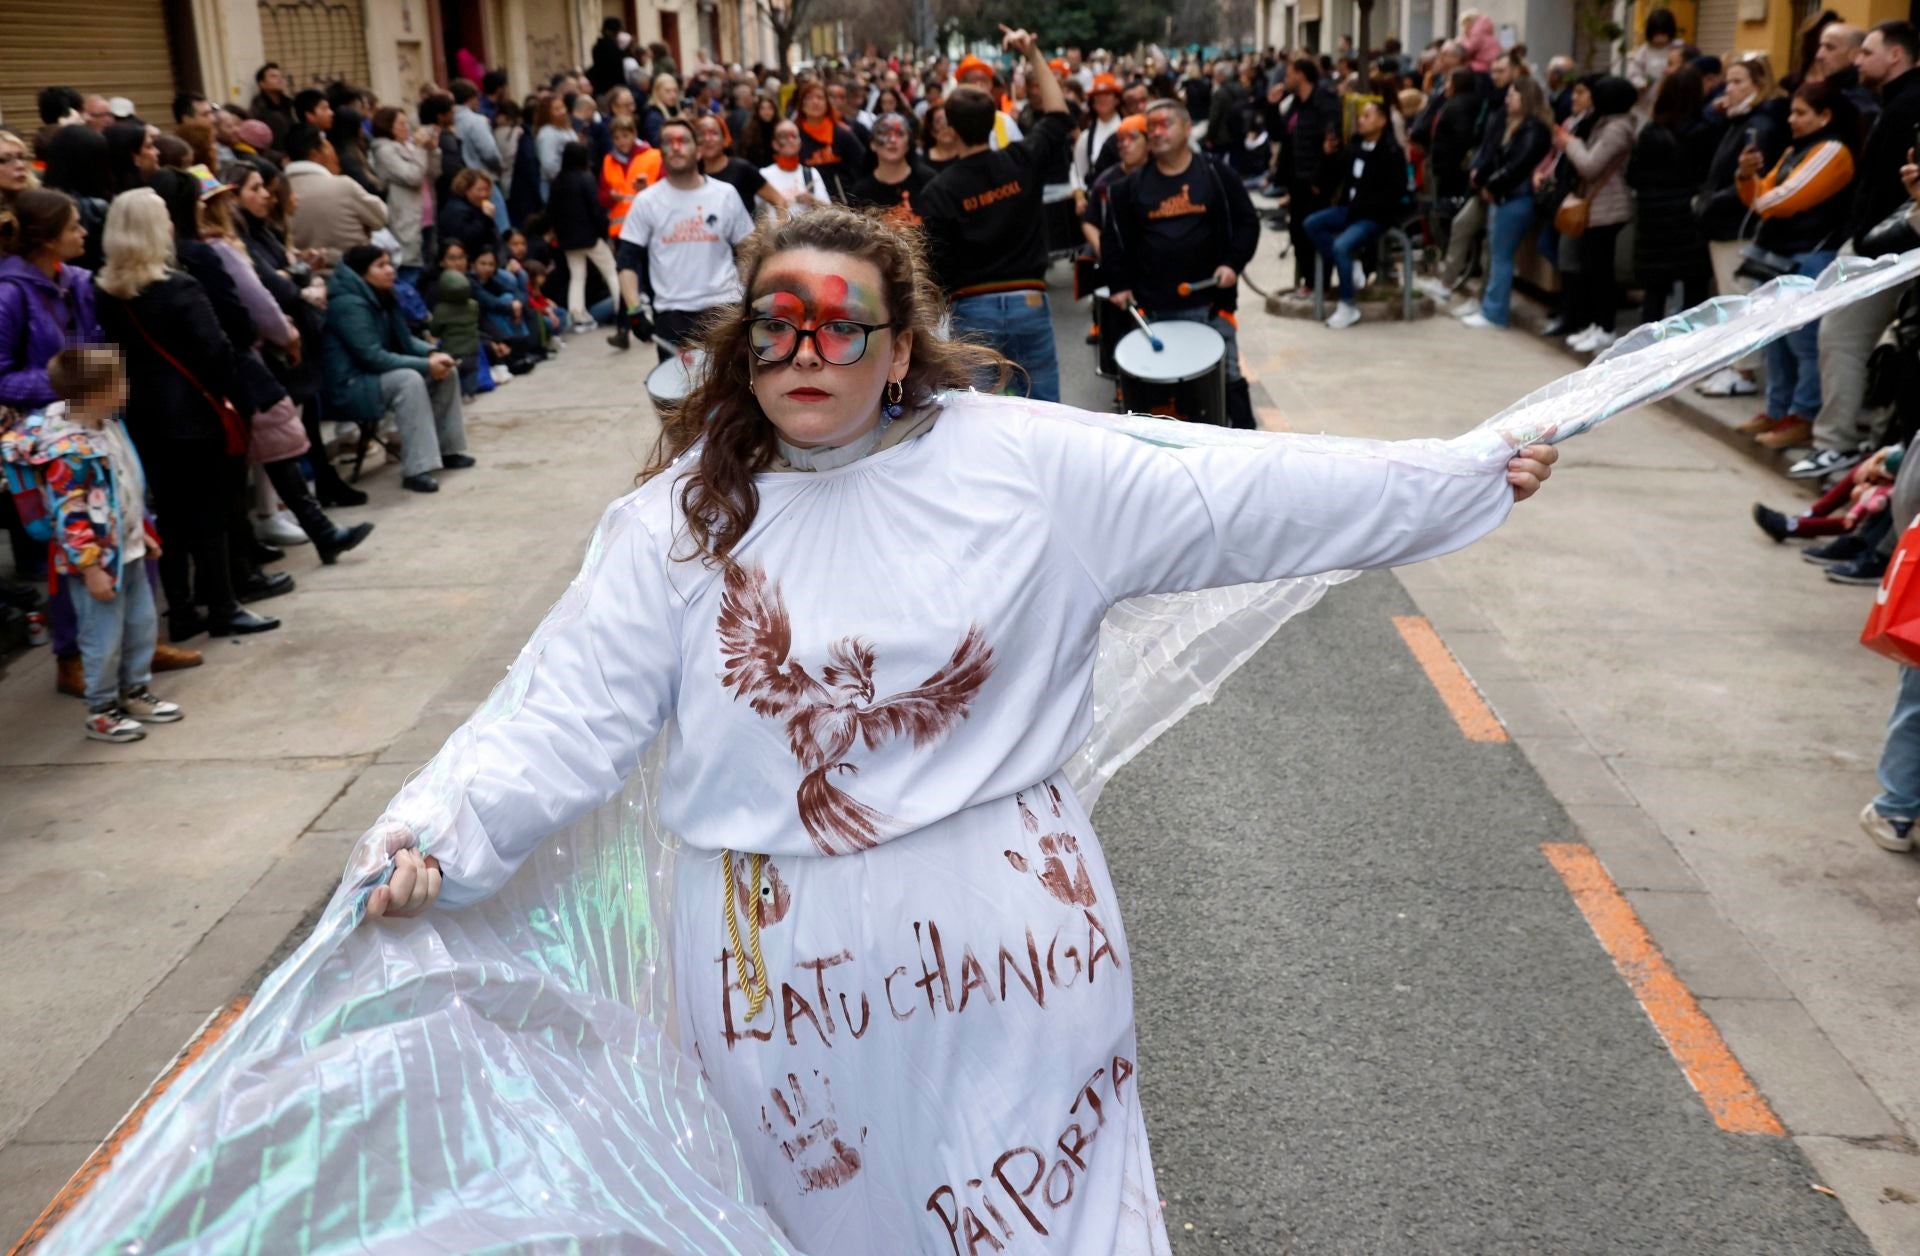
[1723,1086]
[102,1158]
[1469,710]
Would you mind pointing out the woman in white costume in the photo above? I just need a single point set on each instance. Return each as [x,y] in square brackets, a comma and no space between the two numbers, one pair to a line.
[866,605]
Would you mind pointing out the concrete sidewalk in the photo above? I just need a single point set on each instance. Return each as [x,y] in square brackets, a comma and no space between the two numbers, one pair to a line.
[143,886]
[1696,698]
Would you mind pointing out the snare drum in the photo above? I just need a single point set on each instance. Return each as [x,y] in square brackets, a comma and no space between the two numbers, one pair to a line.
[669,383]
[1111,323]
[1185,380]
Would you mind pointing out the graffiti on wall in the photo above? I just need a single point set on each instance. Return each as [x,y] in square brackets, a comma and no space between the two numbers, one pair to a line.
[549,38]
[315,41]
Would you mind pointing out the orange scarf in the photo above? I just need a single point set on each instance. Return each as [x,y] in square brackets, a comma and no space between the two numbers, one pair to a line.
[821,130]
[786,163]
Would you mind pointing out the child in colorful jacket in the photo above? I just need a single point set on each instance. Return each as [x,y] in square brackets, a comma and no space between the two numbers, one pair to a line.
[95,497]
[504,316]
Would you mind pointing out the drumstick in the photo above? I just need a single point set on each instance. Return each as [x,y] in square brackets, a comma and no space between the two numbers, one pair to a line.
[1188,289]
[1140,318]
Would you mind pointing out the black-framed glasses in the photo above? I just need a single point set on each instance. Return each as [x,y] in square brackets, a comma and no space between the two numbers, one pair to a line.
[839,342]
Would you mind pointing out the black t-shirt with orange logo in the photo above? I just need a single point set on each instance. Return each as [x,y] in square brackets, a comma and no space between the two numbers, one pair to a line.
[901,200]
[1164,230]
[985,228]
[1173,212]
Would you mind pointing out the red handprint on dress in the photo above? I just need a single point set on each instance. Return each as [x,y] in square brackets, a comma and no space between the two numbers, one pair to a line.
[1074,886]
[821,1159]
[824,720]
[766,903]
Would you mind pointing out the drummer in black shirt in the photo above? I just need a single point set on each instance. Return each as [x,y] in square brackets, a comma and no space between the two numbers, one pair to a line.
[898,177]
[986,231]
[1182,219]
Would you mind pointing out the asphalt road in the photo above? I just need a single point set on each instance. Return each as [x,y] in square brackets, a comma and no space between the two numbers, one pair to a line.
[1371,1018]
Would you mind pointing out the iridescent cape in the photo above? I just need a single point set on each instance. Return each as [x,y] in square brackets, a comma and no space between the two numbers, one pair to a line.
[505,1077]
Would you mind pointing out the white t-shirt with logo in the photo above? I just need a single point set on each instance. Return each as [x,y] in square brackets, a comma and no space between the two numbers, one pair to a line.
[689,238]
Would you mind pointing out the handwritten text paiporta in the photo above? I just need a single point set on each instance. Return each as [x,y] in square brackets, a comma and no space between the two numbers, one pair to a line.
[944,984]
[1032,1183]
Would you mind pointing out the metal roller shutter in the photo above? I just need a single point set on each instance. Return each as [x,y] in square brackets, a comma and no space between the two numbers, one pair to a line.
[1716,26]
[109,47]
[316,41]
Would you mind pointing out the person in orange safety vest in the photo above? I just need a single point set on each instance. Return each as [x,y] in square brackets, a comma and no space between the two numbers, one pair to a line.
[630,168]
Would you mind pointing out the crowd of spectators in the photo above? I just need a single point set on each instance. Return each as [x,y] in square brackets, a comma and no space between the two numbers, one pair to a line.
[1690,175]
[320,268]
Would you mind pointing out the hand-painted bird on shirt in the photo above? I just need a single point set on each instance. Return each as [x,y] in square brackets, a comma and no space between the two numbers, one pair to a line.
[825,717]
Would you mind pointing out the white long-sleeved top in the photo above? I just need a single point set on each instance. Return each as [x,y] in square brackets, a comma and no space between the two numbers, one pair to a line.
[1025,527]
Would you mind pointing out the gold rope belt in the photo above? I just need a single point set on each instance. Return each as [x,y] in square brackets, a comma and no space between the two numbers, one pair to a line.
[756,985]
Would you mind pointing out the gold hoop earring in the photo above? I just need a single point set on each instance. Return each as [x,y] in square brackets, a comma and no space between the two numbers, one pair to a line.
[893,394]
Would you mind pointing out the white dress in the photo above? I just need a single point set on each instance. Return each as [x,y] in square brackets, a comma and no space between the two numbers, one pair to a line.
[790,183]
[877,705]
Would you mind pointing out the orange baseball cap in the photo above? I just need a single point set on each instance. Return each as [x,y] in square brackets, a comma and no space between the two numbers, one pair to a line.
[1105,83]
[1057,65]
[971,64]
[1138,122]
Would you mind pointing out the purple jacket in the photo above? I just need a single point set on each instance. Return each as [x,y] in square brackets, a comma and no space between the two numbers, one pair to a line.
[38,318]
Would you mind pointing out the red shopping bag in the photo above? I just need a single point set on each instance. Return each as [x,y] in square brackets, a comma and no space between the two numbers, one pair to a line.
[1893,625]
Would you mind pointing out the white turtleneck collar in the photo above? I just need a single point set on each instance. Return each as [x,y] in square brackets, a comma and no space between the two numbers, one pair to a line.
[790,458]
[828,457]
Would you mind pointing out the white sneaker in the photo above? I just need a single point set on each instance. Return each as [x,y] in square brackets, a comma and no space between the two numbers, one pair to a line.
[1344,316]
[278,529]
[1433,286]
[581,326]
[1824,462]
[1886,834]
[1464,306]
[501,376]
[1478,321]
[1726,382]
[149,707]
[114,725]
[1598,342]
[1573,341]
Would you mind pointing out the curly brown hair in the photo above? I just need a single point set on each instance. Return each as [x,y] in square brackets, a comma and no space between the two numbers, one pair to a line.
[736,439]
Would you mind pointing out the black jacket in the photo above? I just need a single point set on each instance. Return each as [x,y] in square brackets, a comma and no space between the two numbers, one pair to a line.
[1309,123]
[451,163]
[1821,227]
[1859,95]
[1664,178]
[1236,233]
[161,403]
[1877,190]
[608,70]
[277,115]
[254,386]
[1722,215]
[574,210]
[1381,190]
[1456,132]
[1509,167]
[460,220]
